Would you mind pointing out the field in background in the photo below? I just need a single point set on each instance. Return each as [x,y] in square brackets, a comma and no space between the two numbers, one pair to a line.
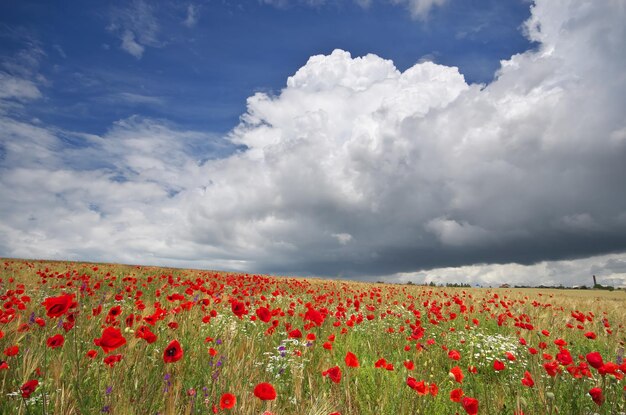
[95,338]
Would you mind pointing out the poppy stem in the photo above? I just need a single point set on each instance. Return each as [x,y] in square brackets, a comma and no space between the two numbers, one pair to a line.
[26,405]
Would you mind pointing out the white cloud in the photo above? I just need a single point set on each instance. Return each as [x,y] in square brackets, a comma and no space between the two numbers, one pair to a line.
[342,238]
[610,270]
[420,8]
[12,87]
[130,45]
[356,168]
[136,26]
[192,16]
[451,232]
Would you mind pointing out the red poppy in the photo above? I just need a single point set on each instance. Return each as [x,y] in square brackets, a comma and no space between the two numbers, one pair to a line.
[564,357]
[57,306]
[609,368]
[409,365]
[112,360]
[227,401]
[552,368]
[454,355]
[55,341]
[498,365]
[456,373]
[264,314]
[595,360]
[470,405]
[265,391]
[597,396]
[295,334]
[528,380]
[238,308]
[29,387]
[351,360]
[144,332]
[111,339]
[420,387]
[11,350]
[456,395]
[433,389]
[334,373]
[173,352]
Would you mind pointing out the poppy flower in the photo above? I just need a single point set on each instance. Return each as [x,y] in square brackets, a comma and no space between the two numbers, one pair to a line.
[527,380]
[295,334]
[456,374]
[411,382]
[470,405]
[351,360]
[55,341]
[564,357]
[421,388]
[456,395]
[144,333]
[227,401]
[264,314]
[595,360]
[409,365]
[111,339]
[552,368]
[112,360]
[597,396]
[334,373]
[498,365]
[57,306]
[173,352]
[11,350]
[238,308]
[265,391]
[608,368]
[28,388]
[454,355]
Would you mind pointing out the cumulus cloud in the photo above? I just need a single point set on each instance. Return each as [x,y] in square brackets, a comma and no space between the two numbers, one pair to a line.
[358,169]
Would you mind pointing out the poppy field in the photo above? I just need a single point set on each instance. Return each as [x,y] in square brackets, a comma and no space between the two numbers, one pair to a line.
[80,338]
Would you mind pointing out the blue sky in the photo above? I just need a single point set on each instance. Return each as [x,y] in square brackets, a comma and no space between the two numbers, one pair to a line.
[198,71]
[399,140]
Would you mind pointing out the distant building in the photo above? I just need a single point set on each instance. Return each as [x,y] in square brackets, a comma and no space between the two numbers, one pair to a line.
[505,286]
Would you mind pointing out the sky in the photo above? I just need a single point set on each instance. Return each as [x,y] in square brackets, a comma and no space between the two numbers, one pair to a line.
[479,142]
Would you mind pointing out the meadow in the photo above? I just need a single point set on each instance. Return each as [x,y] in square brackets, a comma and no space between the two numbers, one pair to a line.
[79,338]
